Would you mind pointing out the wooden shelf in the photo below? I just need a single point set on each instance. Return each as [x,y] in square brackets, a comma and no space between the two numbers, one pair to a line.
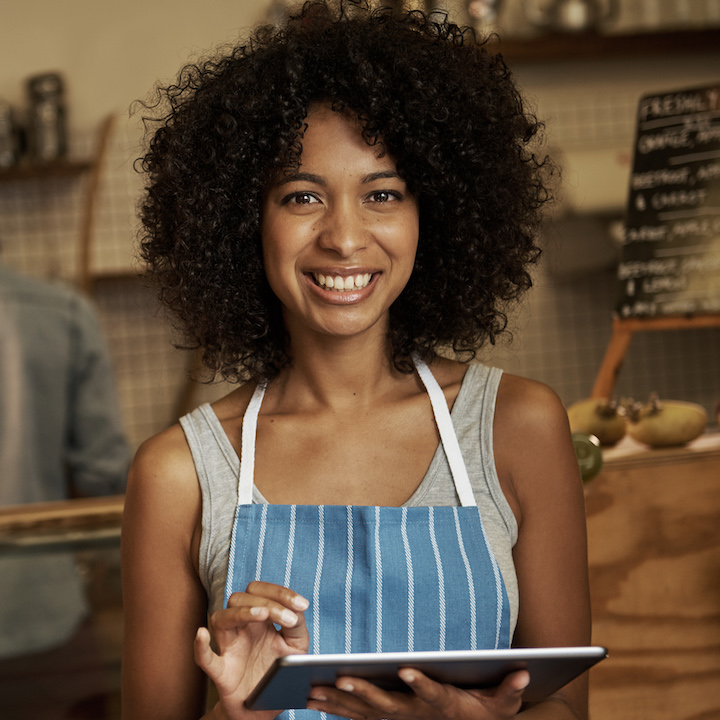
[69,169]
[56,169]
[595,46]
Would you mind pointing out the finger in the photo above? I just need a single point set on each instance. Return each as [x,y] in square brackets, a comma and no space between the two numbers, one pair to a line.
[334,701]
[431,692]
[248,609]
[236,618]
[241,616]
[296,635]
[284,605]
[514,684]
[365,697]
[507,697]
[279,594]
[205,658]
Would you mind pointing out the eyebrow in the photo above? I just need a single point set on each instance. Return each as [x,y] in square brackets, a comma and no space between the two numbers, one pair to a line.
[319,180]
[302,177]
[383,175]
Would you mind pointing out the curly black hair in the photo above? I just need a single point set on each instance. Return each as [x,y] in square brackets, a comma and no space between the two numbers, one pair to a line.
[441,103]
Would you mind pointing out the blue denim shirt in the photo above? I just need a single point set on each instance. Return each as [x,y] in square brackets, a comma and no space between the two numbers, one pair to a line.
[60,427]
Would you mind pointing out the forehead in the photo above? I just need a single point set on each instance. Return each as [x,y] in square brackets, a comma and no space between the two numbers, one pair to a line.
[331,134]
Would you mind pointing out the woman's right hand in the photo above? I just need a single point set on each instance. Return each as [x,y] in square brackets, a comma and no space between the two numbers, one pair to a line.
[247,643]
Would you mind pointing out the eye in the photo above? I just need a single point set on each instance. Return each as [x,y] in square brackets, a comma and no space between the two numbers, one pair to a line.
[384,196]
[300,198]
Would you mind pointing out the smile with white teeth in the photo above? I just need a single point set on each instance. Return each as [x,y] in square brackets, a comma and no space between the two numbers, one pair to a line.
[338,283]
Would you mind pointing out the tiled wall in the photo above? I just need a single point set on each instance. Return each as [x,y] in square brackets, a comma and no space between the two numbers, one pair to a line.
[566,325]
[562,329]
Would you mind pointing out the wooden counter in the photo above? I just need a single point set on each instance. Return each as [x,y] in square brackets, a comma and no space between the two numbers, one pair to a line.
[654,551]
[77,524]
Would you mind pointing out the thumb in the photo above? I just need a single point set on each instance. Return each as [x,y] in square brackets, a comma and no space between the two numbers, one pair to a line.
[513,686]
[205,657]
[297,636]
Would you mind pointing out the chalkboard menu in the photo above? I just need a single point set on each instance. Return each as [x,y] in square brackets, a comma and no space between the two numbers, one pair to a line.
[670,259]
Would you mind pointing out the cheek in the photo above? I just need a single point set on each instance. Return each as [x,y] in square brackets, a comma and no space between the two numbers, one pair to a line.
[283,239]
[400,235]
[275,246]
[280,262]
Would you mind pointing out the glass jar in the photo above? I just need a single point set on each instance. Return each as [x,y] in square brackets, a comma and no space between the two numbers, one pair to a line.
[46,118]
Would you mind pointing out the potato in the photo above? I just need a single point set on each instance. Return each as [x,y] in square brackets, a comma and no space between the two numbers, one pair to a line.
[666,423]
[599,417]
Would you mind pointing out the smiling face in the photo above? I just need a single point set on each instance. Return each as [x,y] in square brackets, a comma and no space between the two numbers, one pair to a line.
[339,235]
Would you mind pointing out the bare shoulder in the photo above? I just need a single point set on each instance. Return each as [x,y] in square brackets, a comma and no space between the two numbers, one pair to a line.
[533,446]
[525,405]
[164,457]
[163,483]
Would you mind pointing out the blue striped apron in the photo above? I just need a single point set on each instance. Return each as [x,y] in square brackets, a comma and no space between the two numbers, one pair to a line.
[379,579]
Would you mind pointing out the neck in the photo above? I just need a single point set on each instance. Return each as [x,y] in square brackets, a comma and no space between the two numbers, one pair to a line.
[340,373]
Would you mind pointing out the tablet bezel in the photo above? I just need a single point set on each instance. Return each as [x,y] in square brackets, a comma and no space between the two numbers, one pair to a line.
[287,683]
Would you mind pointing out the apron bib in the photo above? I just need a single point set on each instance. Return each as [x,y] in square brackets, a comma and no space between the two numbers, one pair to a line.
[379,579]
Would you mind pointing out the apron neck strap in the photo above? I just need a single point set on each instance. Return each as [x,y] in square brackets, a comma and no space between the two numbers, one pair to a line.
[247,446]
[447,433]
[442,419]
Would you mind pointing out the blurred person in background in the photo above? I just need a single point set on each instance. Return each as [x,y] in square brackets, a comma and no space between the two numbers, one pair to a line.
[61,436]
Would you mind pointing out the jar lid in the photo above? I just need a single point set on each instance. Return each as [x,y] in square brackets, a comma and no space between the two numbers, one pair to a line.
[45,85]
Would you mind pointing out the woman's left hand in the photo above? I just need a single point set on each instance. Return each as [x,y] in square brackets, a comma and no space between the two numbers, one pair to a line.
[429,700]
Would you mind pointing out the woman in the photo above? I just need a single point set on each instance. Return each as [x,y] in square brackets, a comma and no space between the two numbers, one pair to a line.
[328,208]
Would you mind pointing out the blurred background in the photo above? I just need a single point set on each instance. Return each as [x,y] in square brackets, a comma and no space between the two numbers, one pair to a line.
[111,55]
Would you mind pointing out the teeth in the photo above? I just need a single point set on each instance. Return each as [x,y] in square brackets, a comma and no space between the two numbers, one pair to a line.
[338,283]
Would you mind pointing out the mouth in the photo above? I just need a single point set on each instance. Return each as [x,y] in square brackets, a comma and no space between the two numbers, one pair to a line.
[342,283]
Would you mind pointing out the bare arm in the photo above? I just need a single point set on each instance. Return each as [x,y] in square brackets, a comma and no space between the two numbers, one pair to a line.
[539,471]
[166,608]
[164,601]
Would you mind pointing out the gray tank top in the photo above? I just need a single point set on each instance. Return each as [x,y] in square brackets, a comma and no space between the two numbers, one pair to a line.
[218,467]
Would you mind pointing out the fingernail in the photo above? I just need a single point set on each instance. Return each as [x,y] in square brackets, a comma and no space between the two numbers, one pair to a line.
[288,617]
[409,677]
[255,611]
[317,696]
[300,602]
[346,686]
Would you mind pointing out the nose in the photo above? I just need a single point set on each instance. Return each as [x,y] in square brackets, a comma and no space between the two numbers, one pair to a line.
[342,231]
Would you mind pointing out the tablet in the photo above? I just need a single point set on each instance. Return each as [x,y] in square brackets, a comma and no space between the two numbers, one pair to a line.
[287,683]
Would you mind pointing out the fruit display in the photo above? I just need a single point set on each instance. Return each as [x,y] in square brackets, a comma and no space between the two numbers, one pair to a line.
[599,417]
[666,423]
